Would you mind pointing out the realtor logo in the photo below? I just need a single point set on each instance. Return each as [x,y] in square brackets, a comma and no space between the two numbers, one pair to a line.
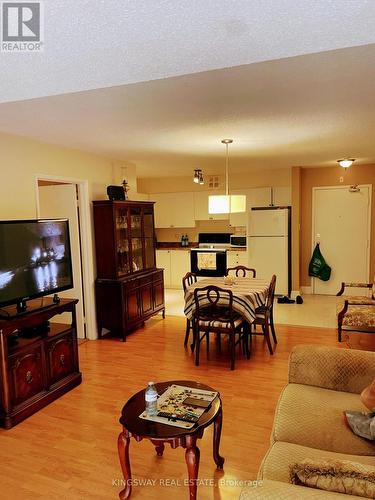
[22,27]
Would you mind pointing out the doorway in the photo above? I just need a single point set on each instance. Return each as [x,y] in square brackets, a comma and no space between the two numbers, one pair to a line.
[68,198]
[341,224]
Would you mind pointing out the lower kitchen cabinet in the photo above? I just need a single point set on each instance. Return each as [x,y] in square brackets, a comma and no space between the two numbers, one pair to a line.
[236,258]
[176,263]
[124,304]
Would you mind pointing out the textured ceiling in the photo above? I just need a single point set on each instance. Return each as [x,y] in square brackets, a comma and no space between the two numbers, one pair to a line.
[102,43]
[159,82]
[305,110]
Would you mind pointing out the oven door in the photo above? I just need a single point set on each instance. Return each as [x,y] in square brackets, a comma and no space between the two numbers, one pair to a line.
[208,262]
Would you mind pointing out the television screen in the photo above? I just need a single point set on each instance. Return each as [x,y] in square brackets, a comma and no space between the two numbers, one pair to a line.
[35,259]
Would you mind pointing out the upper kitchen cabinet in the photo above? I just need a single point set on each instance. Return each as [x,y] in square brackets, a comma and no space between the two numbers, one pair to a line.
[282,196]
[201,207]
[255,197]
[260,197]
[174,209]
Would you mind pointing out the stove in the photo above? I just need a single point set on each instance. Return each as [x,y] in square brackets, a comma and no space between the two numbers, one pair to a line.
[210,258]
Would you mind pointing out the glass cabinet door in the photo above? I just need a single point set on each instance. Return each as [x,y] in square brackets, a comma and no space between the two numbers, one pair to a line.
[149,252]
[148,222]
[122,240]
[136,239]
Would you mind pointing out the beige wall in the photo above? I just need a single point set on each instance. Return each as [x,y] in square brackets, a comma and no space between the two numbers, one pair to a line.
[258,178]
[22,159]
[330,176]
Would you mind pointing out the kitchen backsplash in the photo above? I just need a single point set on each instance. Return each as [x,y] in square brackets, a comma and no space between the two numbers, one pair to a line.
[214,226]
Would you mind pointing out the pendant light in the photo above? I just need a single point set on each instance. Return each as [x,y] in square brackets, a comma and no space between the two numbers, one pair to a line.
[225,204]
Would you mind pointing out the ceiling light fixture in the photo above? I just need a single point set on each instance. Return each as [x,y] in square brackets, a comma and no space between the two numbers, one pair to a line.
[346,162]
[225,204]
[198,176]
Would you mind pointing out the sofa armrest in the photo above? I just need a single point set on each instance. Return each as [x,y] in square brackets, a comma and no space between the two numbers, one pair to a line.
[333,368]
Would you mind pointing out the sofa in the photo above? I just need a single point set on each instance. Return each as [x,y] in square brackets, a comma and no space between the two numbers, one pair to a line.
[309,421]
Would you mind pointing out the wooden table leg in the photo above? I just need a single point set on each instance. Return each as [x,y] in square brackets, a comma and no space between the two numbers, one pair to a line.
[192,455]
[219,460]
[123,454]
[159,447]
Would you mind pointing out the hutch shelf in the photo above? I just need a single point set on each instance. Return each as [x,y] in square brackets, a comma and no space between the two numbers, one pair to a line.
[129,288]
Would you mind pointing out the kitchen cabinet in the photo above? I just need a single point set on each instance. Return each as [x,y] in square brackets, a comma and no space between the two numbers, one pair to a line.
[174,209]
[201,206]
[255,197]
[282,196]
[176,263]
[260,197]
[128,289]
[237,258]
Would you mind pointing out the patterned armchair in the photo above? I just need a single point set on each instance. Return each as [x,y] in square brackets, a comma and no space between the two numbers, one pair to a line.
[357,312]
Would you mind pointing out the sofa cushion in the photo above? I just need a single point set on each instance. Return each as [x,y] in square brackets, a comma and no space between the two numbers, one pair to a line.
[341,476]
[275,490]
[313,417]
[360,313]
[280,456]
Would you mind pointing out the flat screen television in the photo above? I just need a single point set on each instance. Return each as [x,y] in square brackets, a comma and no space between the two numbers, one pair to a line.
[35,260]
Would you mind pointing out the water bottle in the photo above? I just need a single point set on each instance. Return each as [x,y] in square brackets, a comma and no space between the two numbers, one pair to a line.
[151,398]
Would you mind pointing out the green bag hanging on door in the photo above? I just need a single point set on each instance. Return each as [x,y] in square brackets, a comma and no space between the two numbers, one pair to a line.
[318,266]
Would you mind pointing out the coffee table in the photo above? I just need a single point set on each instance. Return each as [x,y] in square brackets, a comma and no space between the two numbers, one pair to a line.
[159,434]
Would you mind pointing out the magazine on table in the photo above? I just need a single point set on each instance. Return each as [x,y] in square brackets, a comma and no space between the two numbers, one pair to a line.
[181,406]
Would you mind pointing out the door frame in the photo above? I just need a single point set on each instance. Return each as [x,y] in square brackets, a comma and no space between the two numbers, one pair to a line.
[86,242]
[314,189]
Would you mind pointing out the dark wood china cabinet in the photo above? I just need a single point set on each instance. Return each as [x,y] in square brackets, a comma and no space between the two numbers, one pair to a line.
[129,288]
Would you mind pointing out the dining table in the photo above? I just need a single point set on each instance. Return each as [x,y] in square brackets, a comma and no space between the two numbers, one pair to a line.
[248,295]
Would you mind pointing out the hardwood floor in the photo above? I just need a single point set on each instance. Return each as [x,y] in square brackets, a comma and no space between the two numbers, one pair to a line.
[68,450]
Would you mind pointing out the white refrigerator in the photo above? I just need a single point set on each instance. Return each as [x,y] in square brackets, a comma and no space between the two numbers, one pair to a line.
[268,245]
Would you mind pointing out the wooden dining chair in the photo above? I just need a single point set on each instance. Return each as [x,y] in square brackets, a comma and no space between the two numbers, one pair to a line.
[264,317]
[241,271]
[214,313]
[188,280]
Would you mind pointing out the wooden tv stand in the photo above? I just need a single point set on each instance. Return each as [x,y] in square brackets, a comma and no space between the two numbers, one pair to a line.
[38,359]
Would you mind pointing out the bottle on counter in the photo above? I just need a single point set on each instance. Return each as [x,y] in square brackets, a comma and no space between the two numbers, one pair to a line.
[183,240]
[186,240]
[151,399]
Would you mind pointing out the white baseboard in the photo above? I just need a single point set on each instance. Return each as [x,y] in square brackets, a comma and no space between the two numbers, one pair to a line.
[294,294]
[306,289]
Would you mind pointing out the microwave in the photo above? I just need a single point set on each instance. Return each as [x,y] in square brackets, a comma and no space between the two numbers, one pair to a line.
[237,241]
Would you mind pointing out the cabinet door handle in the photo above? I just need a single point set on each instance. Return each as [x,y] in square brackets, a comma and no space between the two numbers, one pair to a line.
[62,359]
[29,377]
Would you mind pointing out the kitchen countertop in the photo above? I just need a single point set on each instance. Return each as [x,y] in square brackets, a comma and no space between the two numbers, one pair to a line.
[177,246]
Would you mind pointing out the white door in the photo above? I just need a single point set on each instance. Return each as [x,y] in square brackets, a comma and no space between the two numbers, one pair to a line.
[341,223]
[60,201]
